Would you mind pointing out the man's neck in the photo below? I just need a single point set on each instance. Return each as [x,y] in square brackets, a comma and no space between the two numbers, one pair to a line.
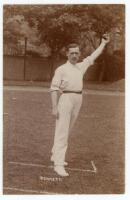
[72,63]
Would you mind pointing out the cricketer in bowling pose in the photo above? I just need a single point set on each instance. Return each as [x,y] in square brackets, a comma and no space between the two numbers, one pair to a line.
[68,81]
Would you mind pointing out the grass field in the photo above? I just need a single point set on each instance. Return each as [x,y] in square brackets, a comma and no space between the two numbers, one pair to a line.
[96,139]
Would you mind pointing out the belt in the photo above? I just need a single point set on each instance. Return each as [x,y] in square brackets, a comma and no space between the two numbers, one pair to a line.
[76,92]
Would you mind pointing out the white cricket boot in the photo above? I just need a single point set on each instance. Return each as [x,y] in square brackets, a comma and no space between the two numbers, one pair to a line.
[60,170]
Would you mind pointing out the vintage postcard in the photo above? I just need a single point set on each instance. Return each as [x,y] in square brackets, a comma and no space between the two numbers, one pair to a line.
[64,99]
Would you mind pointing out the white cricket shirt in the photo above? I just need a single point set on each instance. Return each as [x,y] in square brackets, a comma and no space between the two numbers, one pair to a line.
[69,77]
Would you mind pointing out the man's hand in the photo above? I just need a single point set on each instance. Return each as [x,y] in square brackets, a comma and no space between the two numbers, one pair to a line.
[55,112]
[99,50]
[106,38]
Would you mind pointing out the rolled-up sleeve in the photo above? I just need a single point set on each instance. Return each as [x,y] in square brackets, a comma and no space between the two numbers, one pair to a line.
[56,81]
[86,63]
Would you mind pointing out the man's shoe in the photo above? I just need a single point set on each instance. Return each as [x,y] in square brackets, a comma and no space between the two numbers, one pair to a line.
[60,170]
[65,163]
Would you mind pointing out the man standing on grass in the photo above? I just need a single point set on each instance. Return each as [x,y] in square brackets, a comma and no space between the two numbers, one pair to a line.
[68,81]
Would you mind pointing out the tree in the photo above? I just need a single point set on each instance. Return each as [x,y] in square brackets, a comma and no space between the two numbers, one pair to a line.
[16,29]
[57,25]
[54,26]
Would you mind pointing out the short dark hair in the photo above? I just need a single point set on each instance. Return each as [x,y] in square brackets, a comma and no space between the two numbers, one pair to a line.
[72,45]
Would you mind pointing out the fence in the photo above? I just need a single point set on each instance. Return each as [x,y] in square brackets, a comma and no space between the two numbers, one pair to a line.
[36,69]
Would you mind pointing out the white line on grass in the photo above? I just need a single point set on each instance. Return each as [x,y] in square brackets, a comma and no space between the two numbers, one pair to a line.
[14,98]
[5,113]
[94,170]
[30,164]
[27,191]
[103,92]
[42,89]
[94,167]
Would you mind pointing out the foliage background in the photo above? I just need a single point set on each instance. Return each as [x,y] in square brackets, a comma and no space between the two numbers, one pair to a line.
[49,28]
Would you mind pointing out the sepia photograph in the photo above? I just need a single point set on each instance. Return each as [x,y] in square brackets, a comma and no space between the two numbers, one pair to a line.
[63,99]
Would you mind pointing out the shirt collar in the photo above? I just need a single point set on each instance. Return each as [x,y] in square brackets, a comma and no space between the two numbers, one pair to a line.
[70,64]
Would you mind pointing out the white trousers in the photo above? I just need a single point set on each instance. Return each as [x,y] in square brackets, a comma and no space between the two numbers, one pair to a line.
[68,107]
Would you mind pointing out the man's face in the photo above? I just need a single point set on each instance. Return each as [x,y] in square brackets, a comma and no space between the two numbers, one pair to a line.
[73,55]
